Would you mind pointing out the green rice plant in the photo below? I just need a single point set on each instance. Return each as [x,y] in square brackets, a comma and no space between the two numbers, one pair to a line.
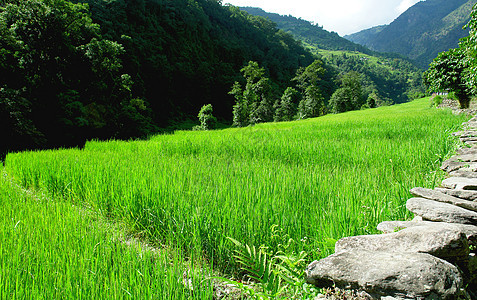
[317,179]
[55,250]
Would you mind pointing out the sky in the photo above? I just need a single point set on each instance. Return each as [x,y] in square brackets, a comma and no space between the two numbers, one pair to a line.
[341,16]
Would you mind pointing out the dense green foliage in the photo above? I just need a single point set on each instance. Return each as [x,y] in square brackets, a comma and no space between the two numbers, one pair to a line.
[55,250]
[206,118]
[349,96]
[446,73]
[62,82]
[392,80]
[186,53]
[455,70]
[143,65]
[318,179]
[420,33]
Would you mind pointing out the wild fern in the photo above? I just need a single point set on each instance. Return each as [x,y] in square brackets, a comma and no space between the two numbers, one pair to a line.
[278,273]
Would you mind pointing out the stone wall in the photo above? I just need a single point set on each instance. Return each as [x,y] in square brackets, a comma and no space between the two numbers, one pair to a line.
[430,257]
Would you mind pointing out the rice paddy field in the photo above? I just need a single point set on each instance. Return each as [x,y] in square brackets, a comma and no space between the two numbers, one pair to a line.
[66,215]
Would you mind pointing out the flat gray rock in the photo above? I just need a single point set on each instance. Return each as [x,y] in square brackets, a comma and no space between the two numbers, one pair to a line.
[444,198]
[462,173]
[468,139]
[467,150]
[467,195]
[441,212]
[393,226]
[464,158]
[399,275]
[450,166]
[460,183]
[441,240]
[467,133]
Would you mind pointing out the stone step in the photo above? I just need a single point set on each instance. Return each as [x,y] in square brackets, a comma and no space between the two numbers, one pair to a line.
[440,240]
[444,198]
[467,150]
[462,173]
[467,133]
[470,231]
[450,166]
[441,212]
[464,158]
[467,195]
[468,139]
[460,183]
[400,275]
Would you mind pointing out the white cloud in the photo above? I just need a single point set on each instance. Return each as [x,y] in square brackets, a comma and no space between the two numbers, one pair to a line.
[342,16]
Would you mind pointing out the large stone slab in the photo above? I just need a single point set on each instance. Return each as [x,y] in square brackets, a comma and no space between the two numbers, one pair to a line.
[443,241]
[470,231]
[467,133]
[460,183]
[441,212]
[399,275]
[450,166]
[467,150]
[464,158]
[444,198]
[468,139]
[467,195]
[462,173]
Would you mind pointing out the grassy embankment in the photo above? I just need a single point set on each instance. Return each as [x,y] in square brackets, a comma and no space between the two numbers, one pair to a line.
[318,180]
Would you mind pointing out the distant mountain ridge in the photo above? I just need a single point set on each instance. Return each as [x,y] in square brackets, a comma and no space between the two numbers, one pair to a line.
[308,32]
[420,33]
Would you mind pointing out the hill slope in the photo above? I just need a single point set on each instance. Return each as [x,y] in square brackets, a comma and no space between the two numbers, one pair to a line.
[148,64]
[390,75]
[308,32]
[420,33]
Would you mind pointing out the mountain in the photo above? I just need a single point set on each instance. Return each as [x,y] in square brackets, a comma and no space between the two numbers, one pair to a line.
[393,77]
[420,33]
[310,33]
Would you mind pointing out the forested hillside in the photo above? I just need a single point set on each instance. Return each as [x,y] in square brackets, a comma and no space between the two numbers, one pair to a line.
[308,32]
[389,78]
[421,32]
[123,69]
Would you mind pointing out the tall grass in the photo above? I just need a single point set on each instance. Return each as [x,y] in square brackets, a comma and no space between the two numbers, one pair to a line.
[54,250]
[318,179]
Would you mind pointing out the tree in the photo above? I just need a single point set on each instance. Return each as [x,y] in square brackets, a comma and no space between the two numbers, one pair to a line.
[286,109]
[349,96]
[469,46]
[446,73]
[206,119]
[65,80]
[312,105]
[254,103]
[309,81]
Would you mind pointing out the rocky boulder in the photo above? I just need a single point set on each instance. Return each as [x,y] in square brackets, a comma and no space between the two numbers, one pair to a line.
[399,275]
[441,240]
[460,183]
[444,198]
[467,195]
[470,231]
[441,212]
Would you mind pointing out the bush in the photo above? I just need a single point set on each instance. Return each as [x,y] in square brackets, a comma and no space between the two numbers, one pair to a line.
[207,120]
[436,100]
